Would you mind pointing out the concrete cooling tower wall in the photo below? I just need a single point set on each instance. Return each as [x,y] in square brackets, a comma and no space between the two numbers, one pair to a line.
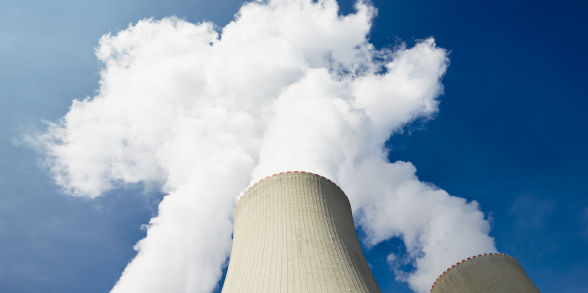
[294,233]
[485,273]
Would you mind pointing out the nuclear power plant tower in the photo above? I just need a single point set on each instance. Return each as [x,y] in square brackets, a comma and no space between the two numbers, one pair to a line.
[294,232]
[485,273]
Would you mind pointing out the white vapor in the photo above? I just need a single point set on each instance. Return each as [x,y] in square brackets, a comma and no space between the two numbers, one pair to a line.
[288,85]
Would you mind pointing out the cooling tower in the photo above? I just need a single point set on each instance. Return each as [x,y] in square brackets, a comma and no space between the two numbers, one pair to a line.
[487,273]
[294,233]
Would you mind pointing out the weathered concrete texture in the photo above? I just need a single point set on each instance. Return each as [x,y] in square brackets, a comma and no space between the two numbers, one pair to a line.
[294,233]
[487,273]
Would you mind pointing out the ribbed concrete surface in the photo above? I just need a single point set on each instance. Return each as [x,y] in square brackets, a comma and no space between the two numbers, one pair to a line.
[294,233]
[487,273]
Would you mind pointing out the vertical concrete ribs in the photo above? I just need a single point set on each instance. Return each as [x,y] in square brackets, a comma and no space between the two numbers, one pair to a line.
[294,232]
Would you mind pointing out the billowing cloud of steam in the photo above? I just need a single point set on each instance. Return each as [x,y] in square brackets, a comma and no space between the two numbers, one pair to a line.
[288,85]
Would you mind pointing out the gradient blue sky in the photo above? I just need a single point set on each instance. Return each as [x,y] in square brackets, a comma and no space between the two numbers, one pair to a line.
[512,133]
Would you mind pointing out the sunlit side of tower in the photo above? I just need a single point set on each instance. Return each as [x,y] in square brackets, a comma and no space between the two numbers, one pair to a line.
[294,232]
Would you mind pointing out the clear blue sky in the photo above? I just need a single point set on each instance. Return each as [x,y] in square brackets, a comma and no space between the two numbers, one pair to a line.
[512,133]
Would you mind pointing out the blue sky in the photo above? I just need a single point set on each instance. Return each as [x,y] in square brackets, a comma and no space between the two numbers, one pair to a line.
[511,134]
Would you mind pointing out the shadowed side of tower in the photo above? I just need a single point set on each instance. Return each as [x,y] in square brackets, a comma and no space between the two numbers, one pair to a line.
[294,232]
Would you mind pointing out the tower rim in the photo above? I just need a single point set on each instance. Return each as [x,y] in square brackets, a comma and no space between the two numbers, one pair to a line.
[284,173]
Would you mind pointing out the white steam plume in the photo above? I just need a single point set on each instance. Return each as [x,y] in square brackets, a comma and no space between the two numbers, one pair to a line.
[288,85]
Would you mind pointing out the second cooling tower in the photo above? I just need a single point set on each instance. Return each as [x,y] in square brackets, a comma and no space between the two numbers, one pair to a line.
[294,233]
[485,273]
